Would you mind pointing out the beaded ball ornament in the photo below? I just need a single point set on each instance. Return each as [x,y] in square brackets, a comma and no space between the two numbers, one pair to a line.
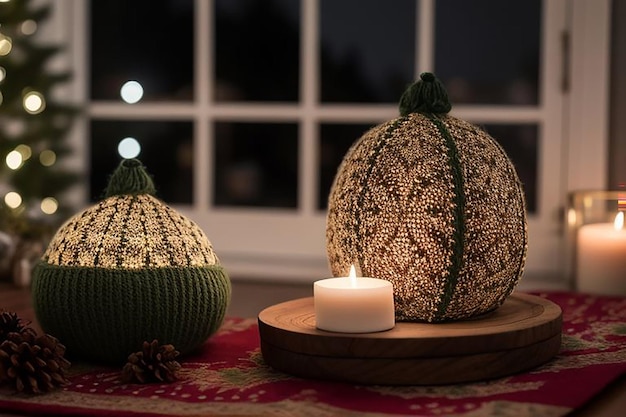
[433,204]
[127,270]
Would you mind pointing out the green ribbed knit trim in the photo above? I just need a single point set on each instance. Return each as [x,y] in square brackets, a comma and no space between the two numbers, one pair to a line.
[105,314]
[458,236]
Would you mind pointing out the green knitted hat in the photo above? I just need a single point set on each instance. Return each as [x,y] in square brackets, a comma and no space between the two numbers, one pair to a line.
[126,270]
[433,204]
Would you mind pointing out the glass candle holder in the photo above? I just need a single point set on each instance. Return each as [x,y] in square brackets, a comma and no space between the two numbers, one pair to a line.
[596,240]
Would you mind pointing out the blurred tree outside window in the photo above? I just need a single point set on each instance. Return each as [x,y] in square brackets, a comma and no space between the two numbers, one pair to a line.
[33,132]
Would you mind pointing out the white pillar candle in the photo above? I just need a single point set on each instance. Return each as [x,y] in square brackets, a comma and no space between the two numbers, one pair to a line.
[601,264]
[353,305]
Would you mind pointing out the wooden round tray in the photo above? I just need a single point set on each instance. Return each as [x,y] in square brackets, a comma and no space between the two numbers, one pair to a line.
[522,334]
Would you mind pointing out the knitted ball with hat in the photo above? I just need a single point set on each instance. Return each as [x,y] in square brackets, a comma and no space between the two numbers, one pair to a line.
[433,204]
[126,270]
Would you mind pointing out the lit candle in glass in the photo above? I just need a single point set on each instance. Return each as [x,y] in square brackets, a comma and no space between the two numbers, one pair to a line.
[353,304]
[601,264]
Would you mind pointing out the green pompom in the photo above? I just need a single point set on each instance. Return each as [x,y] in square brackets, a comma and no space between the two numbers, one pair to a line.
[130,178]
[427,95]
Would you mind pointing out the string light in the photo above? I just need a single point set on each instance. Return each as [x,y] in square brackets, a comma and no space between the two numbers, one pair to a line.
[47,158]
[25,151]
[49,205]
[6,44]
[14,160]
[13,199]
[34,103]
[28,27]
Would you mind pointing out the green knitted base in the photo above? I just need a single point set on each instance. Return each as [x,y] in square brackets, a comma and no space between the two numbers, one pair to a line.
[104,315]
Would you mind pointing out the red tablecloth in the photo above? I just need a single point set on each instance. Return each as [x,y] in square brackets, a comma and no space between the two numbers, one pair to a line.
[229,378]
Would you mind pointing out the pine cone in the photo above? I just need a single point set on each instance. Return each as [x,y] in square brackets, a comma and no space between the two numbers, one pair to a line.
[12,323]
[153,363]
[34,364]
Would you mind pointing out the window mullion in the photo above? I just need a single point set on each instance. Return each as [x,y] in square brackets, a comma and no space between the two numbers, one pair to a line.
[203,88]
[308,152]
[425,37]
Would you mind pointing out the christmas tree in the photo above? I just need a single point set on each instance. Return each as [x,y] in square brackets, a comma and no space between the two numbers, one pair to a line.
[33,132]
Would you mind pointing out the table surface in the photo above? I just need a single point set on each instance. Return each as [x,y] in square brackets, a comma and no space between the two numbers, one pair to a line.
[231,366]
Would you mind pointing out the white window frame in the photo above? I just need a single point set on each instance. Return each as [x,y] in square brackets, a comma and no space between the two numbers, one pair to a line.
[289,245]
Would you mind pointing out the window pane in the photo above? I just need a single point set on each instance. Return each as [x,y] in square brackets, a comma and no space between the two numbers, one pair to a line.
[256,164]
[148,41]
[367,49]
[335,140]
[166,151]
[521,144]
[257,50]
[487,51]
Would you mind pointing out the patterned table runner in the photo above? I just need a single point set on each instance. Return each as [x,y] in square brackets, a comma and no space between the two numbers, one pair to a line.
[229,378]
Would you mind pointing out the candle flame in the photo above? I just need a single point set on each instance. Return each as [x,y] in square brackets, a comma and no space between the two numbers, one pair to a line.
[571,217]
[352,276]
[618,224]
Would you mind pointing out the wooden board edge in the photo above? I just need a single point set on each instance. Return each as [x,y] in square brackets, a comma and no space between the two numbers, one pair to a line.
[412,371]
[375,345]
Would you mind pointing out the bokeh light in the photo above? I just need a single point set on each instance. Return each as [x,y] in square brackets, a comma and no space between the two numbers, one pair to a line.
[34,102]
[14,160]
[47,158]
[28,27]
[25,151]
[5,45]
[131,92]
[49,205]
[129,148]
[13,199]
[3,74]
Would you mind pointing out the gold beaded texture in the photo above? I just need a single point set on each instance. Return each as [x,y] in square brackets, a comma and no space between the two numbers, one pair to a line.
[130,232]
[392,213]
